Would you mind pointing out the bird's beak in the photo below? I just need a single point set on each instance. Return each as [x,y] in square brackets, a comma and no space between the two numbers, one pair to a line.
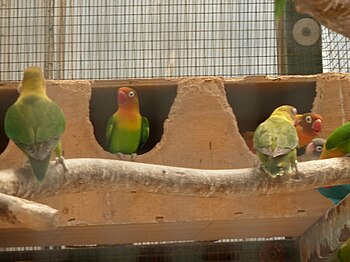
[317,126]
[122,97]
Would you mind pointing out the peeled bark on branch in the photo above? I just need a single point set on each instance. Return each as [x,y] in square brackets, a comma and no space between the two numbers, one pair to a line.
[93,174]
[28,214]
[334,14]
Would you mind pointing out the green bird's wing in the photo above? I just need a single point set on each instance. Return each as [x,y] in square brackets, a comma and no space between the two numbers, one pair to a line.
[111,125]
[340,138]
[280,6]
[144,131]
[35,124]
[275,137]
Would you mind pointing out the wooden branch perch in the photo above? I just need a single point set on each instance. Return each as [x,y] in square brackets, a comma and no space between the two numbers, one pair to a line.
[333,14]
[92,174]
[28,214]
[326,236]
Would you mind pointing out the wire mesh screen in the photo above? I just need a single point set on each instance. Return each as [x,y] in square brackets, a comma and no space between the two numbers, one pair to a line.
[176,252]
[86,39]
[335,52]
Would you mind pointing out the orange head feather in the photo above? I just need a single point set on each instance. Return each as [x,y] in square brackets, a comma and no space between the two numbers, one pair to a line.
[308,126]
[128,100]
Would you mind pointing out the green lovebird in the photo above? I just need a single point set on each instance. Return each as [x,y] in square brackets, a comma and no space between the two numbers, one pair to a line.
[127,131]
[343,253]
[276,142]
[338,142]
[35,123]
[336,145]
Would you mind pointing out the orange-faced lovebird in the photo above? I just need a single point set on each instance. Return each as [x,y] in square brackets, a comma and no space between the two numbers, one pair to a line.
[35,123]
[127,130]
[276,142]
[308,126]
[337,145]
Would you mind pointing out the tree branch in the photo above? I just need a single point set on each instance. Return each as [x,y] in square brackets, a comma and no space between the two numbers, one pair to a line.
[28,214]
[326,235]
[334,14]
[90,174]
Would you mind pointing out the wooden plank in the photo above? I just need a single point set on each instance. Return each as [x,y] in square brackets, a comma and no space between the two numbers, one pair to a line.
[172,231]
[23,213]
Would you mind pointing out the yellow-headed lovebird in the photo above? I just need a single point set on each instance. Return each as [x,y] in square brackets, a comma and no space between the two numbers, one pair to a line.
[35,123]
[276,142]
[127,131]
[308,126]
[336,145]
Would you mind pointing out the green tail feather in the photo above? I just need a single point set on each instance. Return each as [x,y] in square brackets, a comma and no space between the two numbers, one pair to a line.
[279,165]
[40,167]
[271,168]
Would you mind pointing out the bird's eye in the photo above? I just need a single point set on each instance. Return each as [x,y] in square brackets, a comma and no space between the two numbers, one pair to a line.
[308,119]
[131,94]
[295,111]
[318,148]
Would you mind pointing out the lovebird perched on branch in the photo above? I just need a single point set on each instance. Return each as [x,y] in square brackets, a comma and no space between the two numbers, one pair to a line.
[308,126]
[314,149]
[127,131]
[35,123]
[276,142]
[336,145]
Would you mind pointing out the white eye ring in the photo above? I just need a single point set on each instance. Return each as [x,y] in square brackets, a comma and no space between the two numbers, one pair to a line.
[131,94]
[295,111]
[308,119]
[318,148]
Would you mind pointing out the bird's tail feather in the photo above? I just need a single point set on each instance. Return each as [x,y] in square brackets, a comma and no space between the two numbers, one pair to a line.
[40,167]
[277,166]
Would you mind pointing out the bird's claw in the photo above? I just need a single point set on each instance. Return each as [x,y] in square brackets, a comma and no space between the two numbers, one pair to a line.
[121,155]
[60,160]
[126,156]
[133,156]
[327,215]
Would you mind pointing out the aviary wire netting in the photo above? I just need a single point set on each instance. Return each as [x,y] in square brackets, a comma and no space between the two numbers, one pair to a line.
[86,39]
[223,251]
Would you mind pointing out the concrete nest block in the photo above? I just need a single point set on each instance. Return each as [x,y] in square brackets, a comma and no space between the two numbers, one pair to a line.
[201,129]
[196,123]
[200,132]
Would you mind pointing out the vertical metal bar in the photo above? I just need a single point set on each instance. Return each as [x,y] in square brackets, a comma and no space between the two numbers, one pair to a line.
[281,59]
[61,39]
[5,73]
[49,39]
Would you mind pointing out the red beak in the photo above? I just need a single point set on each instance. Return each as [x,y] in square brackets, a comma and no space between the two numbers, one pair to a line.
[317,126]
[121,97]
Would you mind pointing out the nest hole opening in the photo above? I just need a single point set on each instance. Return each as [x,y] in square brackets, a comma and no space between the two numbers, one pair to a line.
[252,103]
[7,98]
[154,101]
